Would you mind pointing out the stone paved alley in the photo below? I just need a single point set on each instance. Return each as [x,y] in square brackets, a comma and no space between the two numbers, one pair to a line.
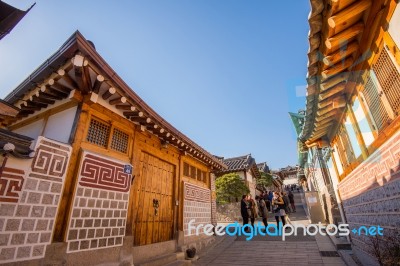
[263,250]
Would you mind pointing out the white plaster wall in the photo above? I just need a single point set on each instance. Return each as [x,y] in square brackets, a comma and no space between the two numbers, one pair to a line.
[241,174]
[32,130]
[59,125]
[394,26]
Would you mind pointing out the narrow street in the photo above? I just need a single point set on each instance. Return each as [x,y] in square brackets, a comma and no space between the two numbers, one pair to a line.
[271,250]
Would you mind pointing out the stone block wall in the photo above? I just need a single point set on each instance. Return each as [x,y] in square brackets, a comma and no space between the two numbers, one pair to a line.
[29,200]
[100,204]
[371,193]
[229,212]
[197,206]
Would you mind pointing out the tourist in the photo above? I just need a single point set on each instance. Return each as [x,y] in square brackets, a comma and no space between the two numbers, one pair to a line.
[267,201]
[286,200]
[262,210]
[244,206]
[291,200]
[253,210]
[278,207]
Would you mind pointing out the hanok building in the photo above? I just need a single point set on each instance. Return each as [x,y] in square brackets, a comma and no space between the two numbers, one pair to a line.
[246,167]
[352,117]
[110,180]
[9,18]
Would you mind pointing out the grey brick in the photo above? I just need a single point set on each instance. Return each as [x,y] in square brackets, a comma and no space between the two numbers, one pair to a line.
[32,238]
[23,210]
[41,225]
[84,244]
[7,209]
[4,239]
[56,188]
[13,224]
[24,252]
[18,239]
[73,234]
[50,212]
[88,193]
[37,211]
[44,186]
[38,251]
[45,238]
[31,184]
[7,253]
[47,199]
[28,225]
[34,197]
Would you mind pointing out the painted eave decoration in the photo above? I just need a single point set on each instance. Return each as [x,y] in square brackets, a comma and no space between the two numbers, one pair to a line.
[77,69]
[340,43]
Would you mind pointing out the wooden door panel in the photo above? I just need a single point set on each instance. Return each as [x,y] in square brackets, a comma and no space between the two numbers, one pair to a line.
[155,181]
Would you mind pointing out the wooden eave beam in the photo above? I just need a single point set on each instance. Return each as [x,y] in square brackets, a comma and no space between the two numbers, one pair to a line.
[125,107]
[65,76]
[108,93]
[332,81]
[329,114]
[119,100]
[332,91]
[339,67]
[39,99]
[338,5]
[342,18]
[335,42]
[340,55]
[97,83]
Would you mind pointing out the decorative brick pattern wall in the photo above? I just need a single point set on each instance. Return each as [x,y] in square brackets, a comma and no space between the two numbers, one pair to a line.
[371,193]
[27,219]
[100,205]
[197,206]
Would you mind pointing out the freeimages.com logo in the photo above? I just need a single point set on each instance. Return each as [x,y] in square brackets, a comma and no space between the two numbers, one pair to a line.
[236,229]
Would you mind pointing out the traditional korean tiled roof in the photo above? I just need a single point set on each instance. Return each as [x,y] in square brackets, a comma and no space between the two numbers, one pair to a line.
[9,18]
[263,167]
[339,39]
[77,67]
[241,163]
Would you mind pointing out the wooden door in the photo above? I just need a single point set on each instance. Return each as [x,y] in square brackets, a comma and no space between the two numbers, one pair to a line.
[155,182]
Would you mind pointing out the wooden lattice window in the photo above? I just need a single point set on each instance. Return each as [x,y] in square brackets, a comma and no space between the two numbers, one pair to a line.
[193,172]
[199,175]
[388,75]
[186,169]
[374,102]
[119,141]
[98,133]
[344,148]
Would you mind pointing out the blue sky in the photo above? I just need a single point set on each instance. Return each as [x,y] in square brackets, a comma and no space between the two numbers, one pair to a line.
[224,72]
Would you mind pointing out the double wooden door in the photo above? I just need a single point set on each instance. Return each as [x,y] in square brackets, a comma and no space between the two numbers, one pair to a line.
[154,212]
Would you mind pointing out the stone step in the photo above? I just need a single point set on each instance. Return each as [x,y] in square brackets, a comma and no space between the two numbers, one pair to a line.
[163,259]
[340,243]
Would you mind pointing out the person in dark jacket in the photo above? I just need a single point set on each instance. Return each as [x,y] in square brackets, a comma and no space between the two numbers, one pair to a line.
[244,206]
[291,200]
[262,209]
